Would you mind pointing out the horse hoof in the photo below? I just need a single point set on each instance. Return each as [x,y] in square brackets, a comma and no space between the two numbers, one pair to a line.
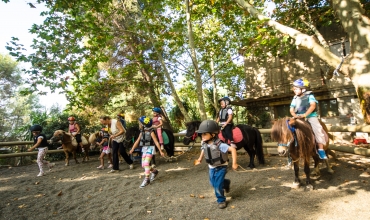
[296,185]
[66,164]
[309,187]
[330,171]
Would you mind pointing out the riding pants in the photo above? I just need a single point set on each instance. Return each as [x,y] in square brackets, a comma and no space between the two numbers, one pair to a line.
[40,158]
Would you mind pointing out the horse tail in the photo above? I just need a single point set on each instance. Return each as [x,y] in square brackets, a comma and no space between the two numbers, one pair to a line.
[171,145]
[259,146]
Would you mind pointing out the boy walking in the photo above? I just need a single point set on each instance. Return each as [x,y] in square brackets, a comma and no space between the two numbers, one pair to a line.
[215,153]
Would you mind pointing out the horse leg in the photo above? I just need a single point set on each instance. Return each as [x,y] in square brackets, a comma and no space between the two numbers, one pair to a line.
[296,182]
[307,172]
[251,154]
[74,156]
[330,170]
[316,170]
[67,158]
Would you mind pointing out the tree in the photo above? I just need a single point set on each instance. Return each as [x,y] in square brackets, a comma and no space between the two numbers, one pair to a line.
[353,16]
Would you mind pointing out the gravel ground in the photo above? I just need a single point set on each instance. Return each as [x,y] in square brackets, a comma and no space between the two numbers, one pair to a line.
[182,191]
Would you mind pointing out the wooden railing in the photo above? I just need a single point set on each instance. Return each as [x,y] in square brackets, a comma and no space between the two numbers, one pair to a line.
[269,147]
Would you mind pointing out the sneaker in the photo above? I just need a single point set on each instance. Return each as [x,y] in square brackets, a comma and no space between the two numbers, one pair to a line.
[51,165]
[110,166]
[227,183]
[222,205]
[113,171]
[131,166]
[322,154]
[153,175]
[101,167]
[40,174]
[145,183]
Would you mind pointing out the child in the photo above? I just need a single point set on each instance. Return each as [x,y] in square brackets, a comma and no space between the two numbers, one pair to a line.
[225,118]
[157,124]
[105,150]
[215,153]
[40,142]
[304,106]
[75,130]
[147,140]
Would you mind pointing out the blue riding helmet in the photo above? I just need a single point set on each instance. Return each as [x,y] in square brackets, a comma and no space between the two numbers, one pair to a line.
[157,110]
[146,121]
[226,99]
[301,83]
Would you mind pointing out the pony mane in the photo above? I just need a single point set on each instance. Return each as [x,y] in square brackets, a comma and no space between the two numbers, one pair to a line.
[304,134]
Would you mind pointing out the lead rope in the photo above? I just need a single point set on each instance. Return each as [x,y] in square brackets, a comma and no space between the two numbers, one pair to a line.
[175,157]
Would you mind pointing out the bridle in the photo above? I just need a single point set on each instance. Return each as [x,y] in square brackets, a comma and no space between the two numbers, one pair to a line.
[192,137]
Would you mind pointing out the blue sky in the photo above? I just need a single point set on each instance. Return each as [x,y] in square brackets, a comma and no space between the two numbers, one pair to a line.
[16,19]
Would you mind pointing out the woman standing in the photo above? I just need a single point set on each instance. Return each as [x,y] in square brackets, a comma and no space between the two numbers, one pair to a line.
[117,137]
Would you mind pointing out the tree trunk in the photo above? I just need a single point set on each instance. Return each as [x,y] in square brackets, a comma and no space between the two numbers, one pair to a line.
[197,75]
[357,26]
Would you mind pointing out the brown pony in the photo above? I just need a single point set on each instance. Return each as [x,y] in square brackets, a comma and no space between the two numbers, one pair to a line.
[68,147]
[297,138]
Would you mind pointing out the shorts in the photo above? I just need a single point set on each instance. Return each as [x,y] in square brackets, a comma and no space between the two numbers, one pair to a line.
[106,150]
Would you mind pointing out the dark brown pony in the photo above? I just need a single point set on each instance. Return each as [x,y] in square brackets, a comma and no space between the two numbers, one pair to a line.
[66,140]
[251,141]
[296,137]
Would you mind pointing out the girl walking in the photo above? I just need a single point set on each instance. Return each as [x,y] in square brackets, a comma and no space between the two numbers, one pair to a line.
[147,140]
[40,142]
[105,150]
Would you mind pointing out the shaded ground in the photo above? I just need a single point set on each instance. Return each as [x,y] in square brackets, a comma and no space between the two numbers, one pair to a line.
[182,191]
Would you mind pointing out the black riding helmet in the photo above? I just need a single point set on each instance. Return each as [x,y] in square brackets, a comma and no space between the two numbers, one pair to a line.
[208,126]
[36,128]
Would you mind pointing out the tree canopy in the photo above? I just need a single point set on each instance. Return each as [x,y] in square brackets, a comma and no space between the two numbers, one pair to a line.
[136,54]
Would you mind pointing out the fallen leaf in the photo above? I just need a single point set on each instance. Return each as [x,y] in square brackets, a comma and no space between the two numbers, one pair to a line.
[149,211]
[39,195]
[55,213]
[60,193]
[22,206]
[192,195]
[201,196]
[233,207]
[101,189]
[37,183]
[15,199]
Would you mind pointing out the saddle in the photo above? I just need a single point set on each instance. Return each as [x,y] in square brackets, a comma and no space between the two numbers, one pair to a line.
[237,136]
[84,141]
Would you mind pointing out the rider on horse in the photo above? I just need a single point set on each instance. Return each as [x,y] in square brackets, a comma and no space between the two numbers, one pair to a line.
[304,106]
[157,124]
[75,130]
[225,118]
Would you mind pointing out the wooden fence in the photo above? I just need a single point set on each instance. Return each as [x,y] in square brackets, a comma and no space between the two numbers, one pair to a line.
[269,147]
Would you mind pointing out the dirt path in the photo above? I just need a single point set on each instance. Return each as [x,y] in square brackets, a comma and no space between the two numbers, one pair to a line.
[182,191]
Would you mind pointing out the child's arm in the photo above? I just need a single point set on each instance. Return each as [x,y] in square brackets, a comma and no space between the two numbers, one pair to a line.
[234,156]
[199,161]
[292,112]
[36,145]
[135,144]
[310,109]
[157,143]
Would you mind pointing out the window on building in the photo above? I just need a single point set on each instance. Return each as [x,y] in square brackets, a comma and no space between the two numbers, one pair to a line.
[328,108]
[282,111]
